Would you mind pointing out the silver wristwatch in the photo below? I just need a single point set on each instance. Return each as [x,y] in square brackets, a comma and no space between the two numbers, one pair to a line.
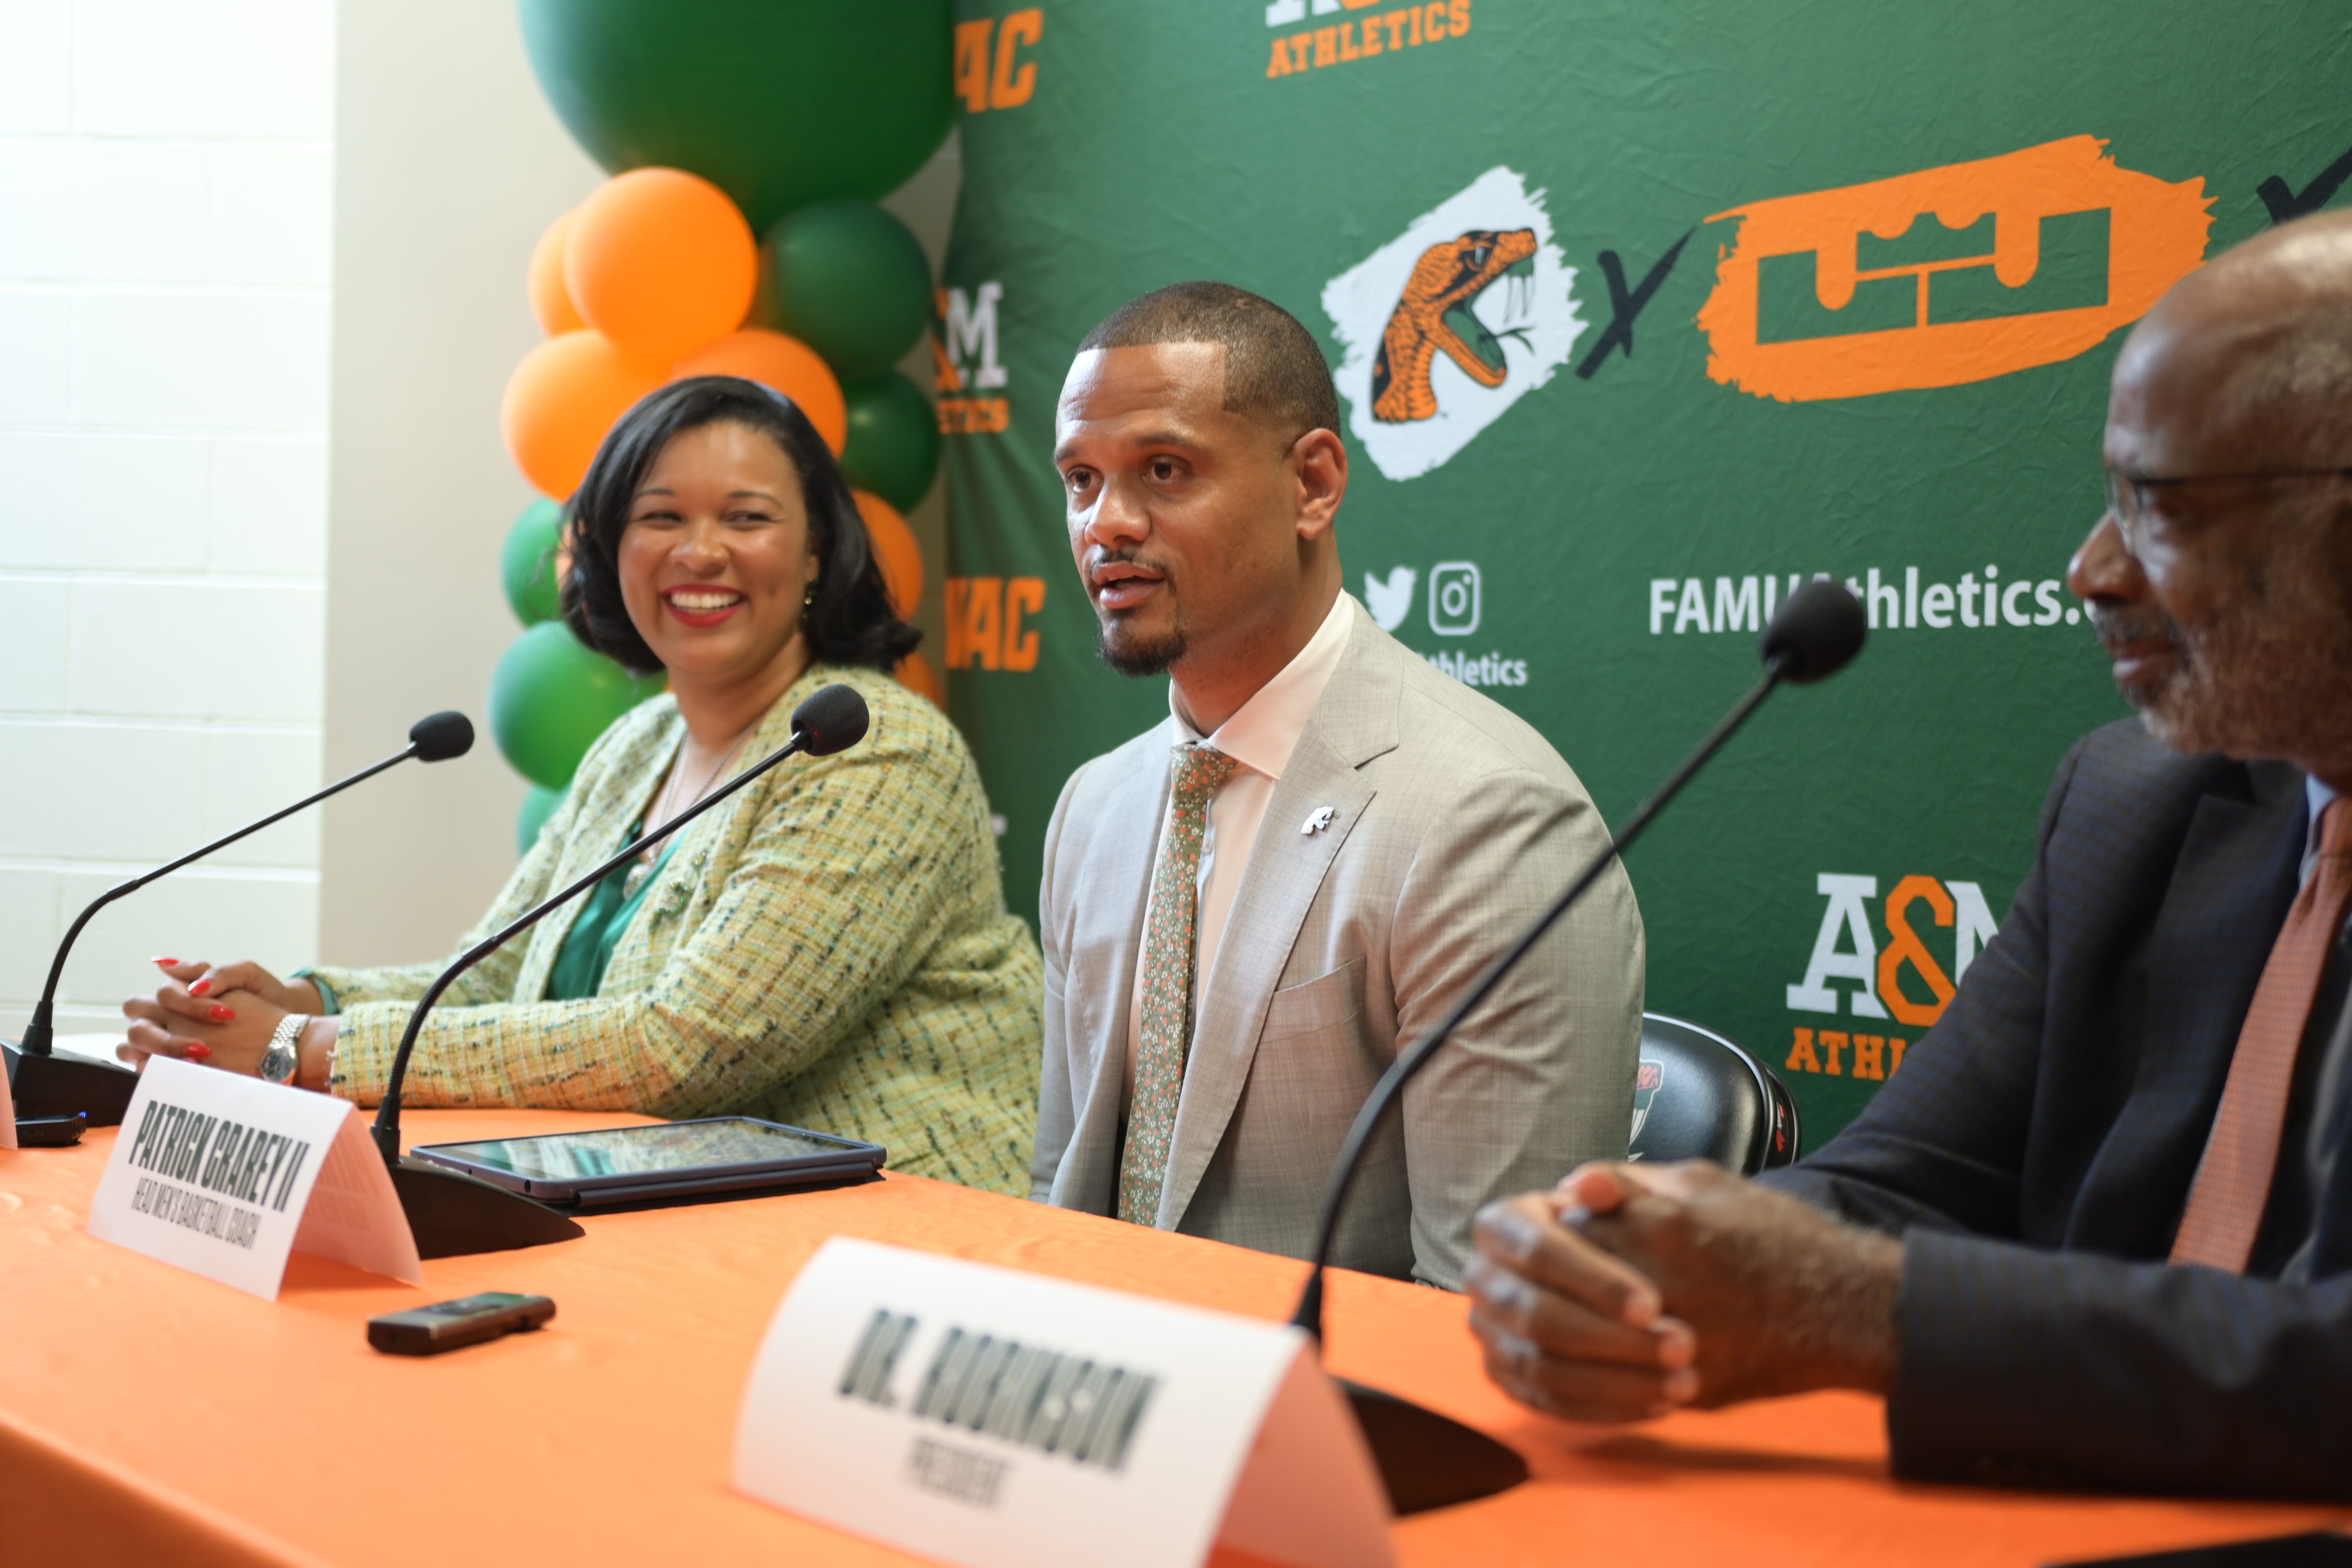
[285,1053]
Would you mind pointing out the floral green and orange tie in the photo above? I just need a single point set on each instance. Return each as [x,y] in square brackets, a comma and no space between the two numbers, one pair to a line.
[1170,949]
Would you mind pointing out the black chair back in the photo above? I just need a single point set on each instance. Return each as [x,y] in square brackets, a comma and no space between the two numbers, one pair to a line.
[1697,1096]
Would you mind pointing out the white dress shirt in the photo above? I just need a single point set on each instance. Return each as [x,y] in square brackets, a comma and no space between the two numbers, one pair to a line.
[2317,796]
[1259,737]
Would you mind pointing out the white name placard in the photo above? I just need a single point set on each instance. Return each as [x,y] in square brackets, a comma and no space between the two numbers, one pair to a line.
[224,1176]
[995,1419]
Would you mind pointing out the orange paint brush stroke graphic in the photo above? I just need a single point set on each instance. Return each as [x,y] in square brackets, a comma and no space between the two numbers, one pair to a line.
[1875,250]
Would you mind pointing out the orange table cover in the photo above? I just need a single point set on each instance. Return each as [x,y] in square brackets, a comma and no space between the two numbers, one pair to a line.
[149,1416]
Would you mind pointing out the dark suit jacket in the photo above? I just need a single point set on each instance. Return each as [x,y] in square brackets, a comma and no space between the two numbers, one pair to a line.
[2036,1151]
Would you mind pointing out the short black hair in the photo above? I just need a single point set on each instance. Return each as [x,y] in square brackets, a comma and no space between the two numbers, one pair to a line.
[851,622]
[1275,373]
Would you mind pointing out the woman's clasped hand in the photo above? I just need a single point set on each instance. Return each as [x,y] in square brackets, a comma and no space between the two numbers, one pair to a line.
[223,1015]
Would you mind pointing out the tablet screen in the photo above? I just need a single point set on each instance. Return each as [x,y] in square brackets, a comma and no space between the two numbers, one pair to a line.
[652,1150]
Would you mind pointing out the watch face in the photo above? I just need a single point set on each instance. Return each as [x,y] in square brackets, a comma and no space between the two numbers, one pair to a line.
[284,1055]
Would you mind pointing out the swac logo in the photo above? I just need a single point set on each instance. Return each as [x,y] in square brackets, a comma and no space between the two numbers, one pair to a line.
[1947,276]
[1014,79]
[964,355]
[983,616]
[1451,323]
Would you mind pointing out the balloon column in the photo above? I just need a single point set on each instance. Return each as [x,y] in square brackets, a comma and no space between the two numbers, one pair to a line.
[660,275]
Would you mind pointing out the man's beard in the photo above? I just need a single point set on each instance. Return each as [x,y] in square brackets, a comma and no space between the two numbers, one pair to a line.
[1132,652]
[1126,649]
[2270,674]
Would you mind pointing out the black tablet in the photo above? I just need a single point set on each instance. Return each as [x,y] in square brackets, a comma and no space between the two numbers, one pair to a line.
[667,1159]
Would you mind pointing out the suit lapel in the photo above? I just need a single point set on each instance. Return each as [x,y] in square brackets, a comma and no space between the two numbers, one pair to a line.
[1114,891]
[2232,884]
[1285,870]
[1355,721]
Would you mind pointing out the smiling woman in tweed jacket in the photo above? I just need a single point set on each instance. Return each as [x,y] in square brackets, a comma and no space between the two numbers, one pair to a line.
[829,949]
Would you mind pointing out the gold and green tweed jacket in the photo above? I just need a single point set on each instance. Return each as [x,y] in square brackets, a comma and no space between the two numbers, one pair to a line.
[829,949]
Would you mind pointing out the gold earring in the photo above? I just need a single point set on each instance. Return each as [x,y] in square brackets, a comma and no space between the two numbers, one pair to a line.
[808,600]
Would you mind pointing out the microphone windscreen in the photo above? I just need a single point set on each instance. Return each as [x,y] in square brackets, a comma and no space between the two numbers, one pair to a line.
[1817,631]
[833,720]
[438,737]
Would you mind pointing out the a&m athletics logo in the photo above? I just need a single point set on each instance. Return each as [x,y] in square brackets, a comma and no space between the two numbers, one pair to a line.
[970,377]
[1448,324]
[1946,276]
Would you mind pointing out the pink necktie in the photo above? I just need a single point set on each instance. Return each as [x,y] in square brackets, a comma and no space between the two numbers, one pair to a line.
[2234,1180]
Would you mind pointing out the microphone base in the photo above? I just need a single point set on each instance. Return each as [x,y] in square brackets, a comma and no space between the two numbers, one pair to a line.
[453,1215]
[1428,1460]
[46,1085]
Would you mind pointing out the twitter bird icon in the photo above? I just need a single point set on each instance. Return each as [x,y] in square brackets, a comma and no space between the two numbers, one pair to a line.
[1391,602]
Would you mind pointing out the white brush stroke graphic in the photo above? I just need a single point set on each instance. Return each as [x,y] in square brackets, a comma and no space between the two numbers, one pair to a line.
[1535,319]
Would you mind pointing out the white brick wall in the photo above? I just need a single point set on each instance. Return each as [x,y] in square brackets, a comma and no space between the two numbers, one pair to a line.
[165,228]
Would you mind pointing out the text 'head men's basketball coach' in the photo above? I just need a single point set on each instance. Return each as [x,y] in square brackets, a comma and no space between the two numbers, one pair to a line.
[1250,908]
[2099,1231]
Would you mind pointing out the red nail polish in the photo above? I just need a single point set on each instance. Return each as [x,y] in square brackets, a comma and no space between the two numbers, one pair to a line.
[221,1015]
[201,988]
[200,1052]
[165,963]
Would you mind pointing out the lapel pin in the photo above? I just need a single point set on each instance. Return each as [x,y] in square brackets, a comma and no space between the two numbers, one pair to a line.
[1317,820]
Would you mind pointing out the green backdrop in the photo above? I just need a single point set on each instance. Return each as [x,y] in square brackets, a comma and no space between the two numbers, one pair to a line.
[1626,501]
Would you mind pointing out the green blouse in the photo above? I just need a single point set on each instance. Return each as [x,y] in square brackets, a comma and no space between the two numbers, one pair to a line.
[611,905]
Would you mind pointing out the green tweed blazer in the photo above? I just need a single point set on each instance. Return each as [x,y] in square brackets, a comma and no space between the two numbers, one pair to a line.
[829,949]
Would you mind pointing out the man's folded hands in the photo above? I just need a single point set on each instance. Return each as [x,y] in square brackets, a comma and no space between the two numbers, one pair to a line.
[1631,1290]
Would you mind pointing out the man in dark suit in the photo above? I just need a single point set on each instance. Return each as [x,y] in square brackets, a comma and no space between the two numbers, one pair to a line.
[2098,1232]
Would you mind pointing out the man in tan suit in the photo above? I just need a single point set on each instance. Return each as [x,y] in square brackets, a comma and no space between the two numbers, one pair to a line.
[1250,908]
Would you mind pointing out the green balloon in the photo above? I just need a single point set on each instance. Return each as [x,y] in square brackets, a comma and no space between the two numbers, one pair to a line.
[527,566]
[849,280]
[537,807]
[778,102]
[551,697]
[894,440]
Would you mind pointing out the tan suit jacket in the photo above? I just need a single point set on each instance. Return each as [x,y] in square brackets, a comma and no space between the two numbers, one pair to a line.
[1453,825]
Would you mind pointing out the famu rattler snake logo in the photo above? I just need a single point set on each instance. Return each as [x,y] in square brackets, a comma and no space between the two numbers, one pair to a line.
[1436,317]
[1447,325]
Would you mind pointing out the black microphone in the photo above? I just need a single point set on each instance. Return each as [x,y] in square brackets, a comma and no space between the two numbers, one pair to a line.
[1428,1460]
[452,1213]
[438,737]
[44,1084]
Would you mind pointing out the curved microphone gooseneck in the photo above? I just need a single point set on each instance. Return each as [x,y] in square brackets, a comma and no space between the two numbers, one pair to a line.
[434,738]
[452,1213]
[1427,1460]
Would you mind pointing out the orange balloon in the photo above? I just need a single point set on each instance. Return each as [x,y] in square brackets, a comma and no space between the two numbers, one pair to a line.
[788,365]
[895,548]
[549,303]
[659,261]
[915,674]
[561,401]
